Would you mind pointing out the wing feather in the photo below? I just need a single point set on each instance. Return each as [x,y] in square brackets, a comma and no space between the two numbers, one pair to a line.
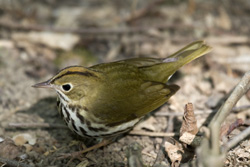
[131,104]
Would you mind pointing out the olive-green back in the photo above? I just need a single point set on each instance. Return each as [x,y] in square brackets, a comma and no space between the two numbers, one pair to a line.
[132,88]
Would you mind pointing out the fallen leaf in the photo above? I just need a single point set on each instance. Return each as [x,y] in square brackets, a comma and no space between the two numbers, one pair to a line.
[174,150]
[189,128]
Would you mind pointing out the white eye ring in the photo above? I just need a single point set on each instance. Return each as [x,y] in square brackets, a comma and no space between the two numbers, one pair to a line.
[66,87]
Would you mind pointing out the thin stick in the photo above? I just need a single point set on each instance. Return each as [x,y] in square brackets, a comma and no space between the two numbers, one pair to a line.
[152,134]
[75,154]
[236,140]
[46,125]
[241,108]
[181,113]
[234,109]
[142,12]
[36,125]
[242,87]
[86,31]
[209,153]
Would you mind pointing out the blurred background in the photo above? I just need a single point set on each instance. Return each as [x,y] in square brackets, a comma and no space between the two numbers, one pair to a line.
[37,38]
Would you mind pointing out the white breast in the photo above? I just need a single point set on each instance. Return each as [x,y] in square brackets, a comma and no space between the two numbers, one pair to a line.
[91,129]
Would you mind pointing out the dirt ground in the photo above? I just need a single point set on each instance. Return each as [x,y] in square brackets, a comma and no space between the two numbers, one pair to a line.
[37,38]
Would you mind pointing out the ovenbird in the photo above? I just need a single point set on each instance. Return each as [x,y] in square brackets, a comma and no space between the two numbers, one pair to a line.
[107,99]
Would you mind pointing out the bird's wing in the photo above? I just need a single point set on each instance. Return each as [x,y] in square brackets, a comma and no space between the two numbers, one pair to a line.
[141,62]
[131,102]
[137,62]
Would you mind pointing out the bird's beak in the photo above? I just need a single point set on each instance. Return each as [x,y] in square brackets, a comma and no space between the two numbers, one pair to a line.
[45,84]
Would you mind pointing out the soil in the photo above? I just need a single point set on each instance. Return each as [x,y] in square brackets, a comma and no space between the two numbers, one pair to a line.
[27,59]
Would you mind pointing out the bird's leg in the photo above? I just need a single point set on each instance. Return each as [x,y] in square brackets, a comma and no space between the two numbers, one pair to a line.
[74,155]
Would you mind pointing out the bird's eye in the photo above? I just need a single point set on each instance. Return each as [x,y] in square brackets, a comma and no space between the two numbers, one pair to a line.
[66,87]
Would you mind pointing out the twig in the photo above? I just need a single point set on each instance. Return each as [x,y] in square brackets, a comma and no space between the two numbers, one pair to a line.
[78,153]
[234,125]
[47,125]
[181,113]
[234,109]
[209,154]
[36,125]
[142,12]
[152,134]
[13,163]
[241,108]
[224,111]
[236,140]
[226,129]
[87,31]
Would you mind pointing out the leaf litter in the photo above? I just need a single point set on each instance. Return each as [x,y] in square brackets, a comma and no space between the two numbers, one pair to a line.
[30,52]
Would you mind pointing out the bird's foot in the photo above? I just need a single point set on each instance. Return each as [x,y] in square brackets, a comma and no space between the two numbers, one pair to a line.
[78,154]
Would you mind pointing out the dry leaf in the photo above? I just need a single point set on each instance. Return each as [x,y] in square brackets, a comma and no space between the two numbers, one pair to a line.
[228,128]
[189,128]
[174,150]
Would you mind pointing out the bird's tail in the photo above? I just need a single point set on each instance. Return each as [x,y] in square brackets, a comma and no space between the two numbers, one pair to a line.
[163,71]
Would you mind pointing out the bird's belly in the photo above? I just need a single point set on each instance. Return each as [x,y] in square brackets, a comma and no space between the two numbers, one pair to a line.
[83,127]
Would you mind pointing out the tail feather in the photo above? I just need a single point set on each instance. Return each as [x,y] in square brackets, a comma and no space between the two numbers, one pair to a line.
[162,72]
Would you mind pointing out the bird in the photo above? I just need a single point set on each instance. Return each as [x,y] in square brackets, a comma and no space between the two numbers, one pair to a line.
[108,99]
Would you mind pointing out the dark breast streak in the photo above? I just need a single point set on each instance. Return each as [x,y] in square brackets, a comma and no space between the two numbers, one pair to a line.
[59,107]
[85,125]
